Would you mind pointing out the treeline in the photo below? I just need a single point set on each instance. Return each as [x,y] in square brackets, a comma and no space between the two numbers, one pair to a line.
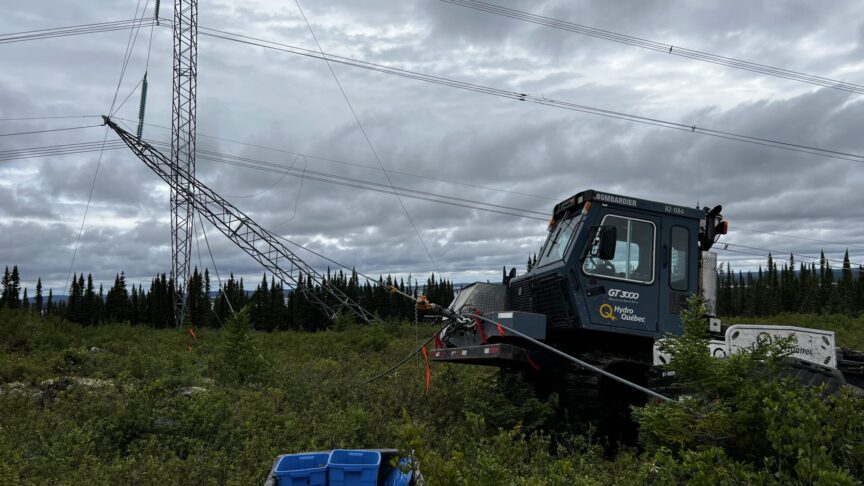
[791,287]
[271,305]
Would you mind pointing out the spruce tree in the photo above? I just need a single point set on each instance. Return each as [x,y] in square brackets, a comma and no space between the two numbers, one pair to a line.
[751,302]
[73,300]
[4,297]
[100,305]
[133,306]
[39,306]
[206,304]
[25,301]
[49,304]
[13,297]
[846,287]
[260,307]
[195,308]
[830,299]
[771,304]
[790,287]
[278,309]
[90,305]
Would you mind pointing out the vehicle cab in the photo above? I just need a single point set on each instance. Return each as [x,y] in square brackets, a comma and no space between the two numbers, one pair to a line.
[616,264]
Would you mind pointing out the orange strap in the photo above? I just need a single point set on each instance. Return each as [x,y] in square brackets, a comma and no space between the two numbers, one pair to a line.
[500,329]
[192,333]
[428,369]
[481,328]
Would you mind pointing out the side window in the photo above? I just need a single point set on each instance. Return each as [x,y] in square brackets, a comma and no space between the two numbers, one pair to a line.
[634,252]
[679,259]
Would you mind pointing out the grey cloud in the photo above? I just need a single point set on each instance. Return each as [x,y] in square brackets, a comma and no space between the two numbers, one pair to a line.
[278,100]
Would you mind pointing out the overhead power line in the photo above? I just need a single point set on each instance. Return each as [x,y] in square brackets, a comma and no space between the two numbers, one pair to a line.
[32,132]
[663,47]
[319,176]
[744,255]
[244,162]
[290,170]
[81,29]
[802,238]
[519,96]
[237,161]
[360,184]
[487,188]
[28,118]
[776,253]
[540,100]
[355,164]
[60,149]
[316,175]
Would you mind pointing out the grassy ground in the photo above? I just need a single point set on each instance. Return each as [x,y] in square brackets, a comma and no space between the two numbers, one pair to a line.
[110,404]
[115,404]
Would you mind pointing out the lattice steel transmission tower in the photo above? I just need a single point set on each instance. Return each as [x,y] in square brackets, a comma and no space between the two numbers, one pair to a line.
[183,146]
[261,244]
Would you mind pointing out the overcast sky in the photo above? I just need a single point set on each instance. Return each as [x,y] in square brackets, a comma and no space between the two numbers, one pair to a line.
[279,100]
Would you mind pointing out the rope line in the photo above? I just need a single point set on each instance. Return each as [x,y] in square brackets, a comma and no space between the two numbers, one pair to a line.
[127,54]
[368,140]
[578,361]
[86,210]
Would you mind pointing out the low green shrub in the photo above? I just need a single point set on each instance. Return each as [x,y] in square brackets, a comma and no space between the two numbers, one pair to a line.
[144,409]
[745,421]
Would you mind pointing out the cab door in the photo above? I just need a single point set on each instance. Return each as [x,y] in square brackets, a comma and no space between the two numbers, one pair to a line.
[621,292]
[679,271]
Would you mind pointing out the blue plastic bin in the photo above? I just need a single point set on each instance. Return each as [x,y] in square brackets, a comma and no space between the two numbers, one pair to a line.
[353,467]
[308,469]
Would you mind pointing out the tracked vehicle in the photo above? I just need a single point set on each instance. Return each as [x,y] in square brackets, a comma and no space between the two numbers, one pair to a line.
[611,280]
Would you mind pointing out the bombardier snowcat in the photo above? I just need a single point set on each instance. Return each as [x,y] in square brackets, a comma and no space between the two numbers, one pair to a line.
[610,281]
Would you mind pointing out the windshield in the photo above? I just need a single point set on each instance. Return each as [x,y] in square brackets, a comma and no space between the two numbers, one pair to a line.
[559,240]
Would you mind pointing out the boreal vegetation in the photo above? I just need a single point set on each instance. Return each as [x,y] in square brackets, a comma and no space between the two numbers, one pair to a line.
[144,404]
[271,306]
[805,288]
[744,420]
[118,403]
